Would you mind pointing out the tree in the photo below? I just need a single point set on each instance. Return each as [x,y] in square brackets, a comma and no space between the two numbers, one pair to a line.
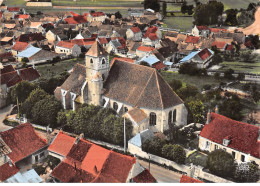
[188,91]
[25,59]
[221,163]
[175,153]
[164,9]
[45,111]
[184,8]
[229,74]
[118,15]
[154,146]
[21,91]
[175,84]
[145,64]
[247,56]
[247,172]
[231,19]
[196,109]
[35,96]
[240,77]
[152,4]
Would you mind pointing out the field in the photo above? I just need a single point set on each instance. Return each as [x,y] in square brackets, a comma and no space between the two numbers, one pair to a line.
[242,67]
[182,23]
[49,70]
[193,80]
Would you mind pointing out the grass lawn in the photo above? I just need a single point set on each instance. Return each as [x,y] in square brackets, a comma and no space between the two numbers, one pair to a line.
[197,158]
[242,67]
[15,2]
[199,82]
[49,70]
[182,23]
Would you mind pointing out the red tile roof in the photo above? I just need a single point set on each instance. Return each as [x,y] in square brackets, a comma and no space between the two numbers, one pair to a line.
[153,36]
[86,158]
[122,59]
[62,144]
[135,29]
[29,74]
[10,78]
[21,16]
[216,30]
[66,44]
[202,28]
[152,29]
[159,65]
[229,47]
[7,171]
[97,14]
[102,40]
[121,41]
[20,46]
[187,179]
[204,54]
[83,42]
[23,141]
[13,9]
[76,20]
[74,14]
[219,44]
[243,136]
[192,39]
[144,177]
[145,48]
[7,69]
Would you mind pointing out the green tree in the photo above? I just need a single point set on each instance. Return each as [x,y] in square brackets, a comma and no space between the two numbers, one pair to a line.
[187,91]
[178,154]
[247,56]
[45,111]
[196,109]
[229,74]
[35,96]
[232,108]
[21,91]
[247,172]
[145,64]
[164,8]
[118,15]
[221,163]
[175,84]
[231,19]
[25,60]
[152,4]
[154,146]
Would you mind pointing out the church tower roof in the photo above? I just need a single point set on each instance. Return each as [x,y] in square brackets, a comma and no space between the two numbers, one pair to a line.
[96,50]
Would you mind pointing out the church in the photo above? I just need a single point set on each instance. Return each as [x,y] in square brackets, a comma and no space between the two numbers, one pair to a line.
[136,92]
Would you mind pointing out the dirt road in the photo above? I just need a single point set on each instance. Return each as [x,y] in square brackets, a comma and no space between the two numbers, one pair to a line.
[255,27]
[95,7]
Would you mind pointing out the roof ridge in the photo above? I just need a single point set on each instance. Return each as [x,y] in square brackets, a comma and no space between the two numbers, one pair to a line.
[143,89]
[157,82]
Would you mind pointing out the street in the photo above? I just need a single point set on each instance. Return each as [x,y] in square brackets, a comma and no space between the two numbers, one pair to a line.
[3,113]
[161,174]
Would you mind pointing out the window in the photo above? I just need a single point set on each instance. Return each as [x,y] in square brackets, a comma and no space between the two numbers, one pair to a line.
[152,119]
[103,102]
[243,158]
[126,109]
[36,159]
[233,154]
[42,154]
[115,106]
[170,117]
[207,145]
[174,116]
[216,147]
[91,60]
[103,61]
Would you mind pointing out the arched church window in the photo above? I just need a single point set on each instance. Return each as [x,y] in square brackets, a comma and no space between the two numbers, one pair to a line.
[170,117]
[174,116]
[91,60]
[103,61]
[152,119]
[103,102]
[115,106]
[103,77]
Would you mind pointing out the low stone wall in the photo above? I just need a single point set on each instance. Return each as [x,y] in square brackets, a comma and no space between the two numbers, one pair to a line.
[39,4]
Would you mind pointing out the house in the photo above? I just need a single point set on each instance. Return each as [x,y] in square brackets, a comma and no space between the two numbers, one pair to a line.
[29,176]
[68,48]
[35,27]
[242,140]
[132,48]
[100,84]
[26,147]
[152,36]
[117,45]
[86,162]
[7,57]
[187,179]
[220,45]
[134,33]
[142,51]
[201,58]
[192,39]
[19,47]
[6,41]
[32,38]
[56,34]
[77,20]
[200,31]
[22,17]
[153,61]
[27,53]
[135,143]
[96,16]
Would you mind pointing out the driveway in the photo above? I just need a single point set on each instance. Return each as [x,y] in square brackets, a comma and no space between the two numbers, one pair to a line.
[3,113]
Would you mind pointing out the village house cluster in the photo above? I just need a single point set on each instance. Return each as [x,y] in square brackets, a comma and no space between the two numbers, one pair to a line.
[113,76]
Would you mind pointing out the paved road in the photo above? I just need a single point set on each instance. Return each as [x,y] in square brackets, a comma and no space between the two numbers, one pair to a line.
[3,113]
[162,175]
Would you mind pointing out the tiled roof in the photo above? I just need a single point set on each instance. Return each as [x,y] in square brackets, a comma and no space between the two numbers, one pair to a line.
[23,141]
[137,115]
[103,40]
[122,59]
[13,9]
[29,74]
[204,54]
[219,44]
[62,144]
[83,42]
[229,47]
[243,136]
[97,14]
[35,24]
[66,44]
[152,29]
[216,30]
[79,150]
[21,16]
[96,50]
[6,39]
[7,68]
[145,48]
[31,37]
[192,39]
[202,28]
[76,19]
[10,78]
[144,177]
[139,86]
[187,179]
[135,29]
[153,36]
[7,171]
[159,65]
[20,46]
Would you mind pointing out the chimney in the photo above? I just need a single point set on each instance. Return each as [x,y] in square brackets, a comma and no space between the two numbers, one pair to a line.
[75,165]
[216,109]
[208,117]
[95,169]
[79,138]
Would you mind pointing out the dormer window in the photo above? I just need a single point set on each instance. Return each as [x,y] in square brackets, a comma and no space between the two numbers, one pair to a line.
[226,142]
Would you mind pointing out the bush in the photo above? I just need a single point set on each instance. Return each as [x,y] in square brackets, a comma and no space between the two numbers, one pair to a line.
[154,146]
[175,84]
[247,172]
[207,87]
[228,74]
[10,123]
